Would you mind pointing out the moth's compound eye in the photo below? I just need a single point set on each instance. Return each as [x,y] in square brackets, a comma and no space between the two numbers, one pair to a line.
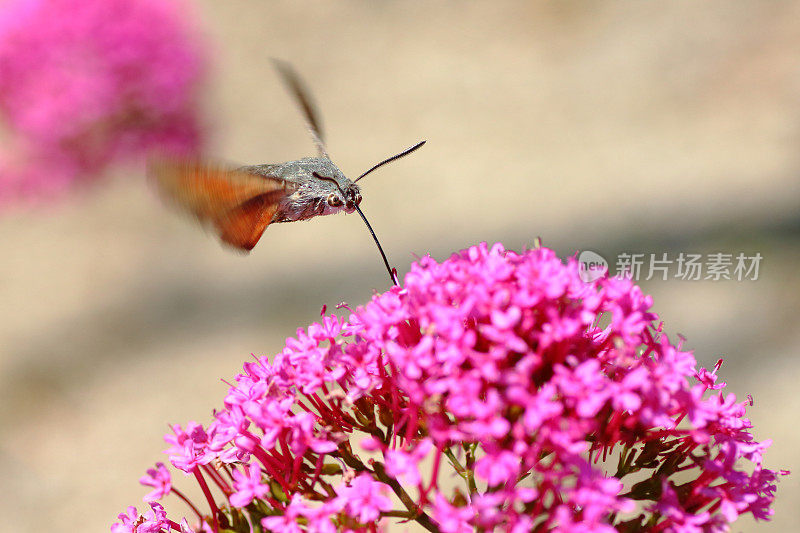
[334,200]
[357,199]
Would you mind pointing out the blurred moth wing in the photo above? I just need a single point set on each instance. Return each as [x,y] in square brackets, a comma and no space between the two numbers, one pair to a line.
[239,205]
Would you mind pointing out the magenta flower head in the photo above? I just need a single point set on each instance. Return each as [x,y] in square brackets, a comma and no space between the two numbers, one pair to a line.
[84,84]
[493,391]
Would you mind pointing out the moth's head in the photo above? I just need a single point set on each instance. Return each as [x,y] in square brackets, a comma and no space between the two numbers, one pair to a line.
[347,197]
[340,192]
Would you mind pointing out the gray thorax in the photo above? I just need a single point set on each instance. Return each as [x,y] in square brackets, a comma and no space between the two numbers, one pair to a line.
[320,188]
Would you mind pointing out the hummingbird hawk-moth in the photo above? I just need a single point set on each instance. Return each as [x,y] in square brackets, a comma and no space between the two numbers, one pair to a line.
[239,203]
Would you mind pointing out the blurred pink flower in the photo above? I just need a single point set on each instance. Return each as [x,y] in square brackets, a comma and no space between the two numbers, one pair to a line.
[84,84]
[495,364]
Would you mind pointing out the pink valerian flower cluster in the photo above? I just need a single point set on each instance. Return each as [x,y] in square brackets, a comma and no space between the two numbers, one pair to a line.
[496,390]
[84,84]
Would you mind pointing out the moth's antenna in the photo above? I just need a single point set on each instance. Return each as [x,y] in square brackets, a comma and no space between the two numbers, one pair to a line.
[392,272]
[394,157]
[301,94]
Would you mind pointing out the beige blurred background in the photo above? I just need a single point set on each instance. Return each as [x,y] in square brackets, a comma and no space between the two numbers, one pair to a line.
[643,127]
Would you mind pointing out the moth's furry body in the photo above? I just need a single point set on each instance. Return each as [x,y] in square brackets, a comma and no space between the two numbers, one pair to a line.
[312,195]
